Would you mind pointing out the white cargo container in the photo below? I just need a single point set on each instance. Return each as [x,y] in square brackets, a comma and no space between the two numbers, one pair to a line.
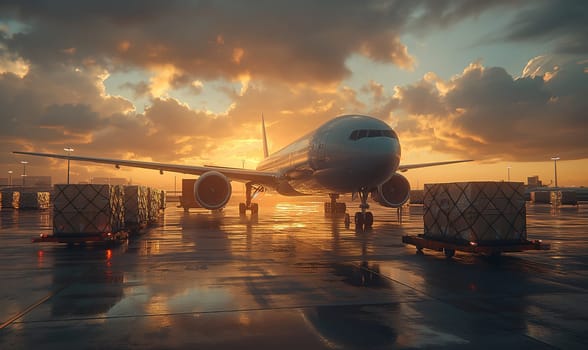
[88,209]
[478,212]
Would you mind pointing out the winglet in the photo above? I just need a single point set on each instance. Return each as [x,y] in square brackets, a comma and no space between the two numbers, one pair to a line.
[265,151]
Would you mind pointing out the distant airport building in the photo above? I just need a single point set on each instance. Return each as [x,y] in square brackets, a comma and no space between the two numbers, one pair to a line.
[534,182]
[110,180]
[38,181]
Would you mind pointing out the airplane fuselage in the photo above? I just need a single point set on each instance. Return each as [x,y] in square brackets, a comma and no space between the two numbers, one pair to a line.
[346,154]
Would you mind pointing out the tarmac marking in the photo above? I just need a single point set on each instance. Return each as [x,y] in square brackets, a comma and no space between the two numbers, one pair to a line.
[30,308]
[25,311]
[196,313]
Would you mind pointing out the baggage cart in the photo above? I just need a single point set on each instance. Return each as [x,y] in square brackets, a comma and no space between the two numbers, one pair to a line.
[103,238]
[449,248]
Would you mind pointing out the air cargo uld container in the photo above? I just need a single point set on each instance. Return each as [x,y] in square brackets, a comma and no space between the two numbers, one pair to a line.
[484,213]
[34,200]
[416,196]
[10,199]
[136,206]
[86,210]
[541,197]
[564,198]
[154,204]
[163,200]
[187,200]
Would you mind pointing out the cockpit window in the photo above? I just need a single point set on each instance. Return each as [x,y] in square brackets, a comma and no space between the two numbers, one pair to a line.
[359,134]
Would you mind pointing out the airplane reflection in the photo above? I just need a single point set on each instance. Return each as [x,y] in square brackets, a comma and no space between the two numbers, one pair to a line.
[354,326]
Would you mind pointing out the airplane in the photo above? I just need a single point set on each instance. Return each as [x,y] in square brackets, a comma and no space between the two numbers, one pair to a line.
[355,154]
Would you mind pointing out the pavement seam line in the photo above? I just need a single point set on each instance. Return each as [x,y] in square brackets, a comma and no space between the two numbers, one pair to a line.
[26,311]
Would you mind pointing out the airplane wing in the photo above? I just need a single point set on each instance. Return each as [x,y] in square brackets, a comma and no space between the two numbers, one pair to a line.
[237,174]
[403,168]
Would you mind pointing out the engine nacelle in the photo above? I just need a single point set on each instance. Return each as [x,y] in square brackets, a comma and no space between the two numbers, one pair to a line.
[212,190]
[392,193]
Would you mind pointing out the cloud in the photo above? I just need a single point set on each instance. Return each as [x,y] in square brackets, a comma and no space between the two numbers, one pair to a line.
[291,41]
[70,118]
[488,114]
[46,110]
[140,89]
[562,23]
[421,98]
[283,58]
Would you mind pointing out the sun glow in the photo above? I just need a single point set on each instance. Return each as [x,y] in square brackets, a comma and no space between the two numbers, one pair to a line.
[160,83]
[17,66]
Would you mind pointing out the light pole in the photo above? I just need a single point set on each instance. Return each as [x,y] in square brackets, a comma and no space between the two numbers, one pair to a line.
[555,159]
[68,150]
[24,171]
[508,172]
[10,178]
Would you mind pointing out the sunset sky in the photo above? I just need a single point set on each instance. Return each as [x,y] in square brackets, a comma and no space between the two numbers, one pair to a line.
[503,82]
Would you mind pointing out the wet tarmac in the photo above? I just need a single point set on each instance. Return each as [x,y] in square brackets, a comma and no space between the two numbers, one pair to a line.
[291,279]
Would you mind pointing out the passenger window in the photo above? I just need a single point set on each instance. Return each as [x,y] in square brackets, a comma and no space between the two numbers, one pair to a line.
[362,134]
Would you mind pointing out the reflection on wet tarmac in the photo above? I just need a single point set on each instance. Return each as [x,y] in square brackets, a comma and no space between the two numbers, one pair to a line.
[291,277]
[354,326]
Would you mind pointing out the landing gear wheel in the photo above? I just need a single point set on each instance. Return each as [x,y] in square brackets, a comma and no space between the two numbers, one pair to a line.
[359,221]
[449,253]
[254,208]
[242,209]
[368,220]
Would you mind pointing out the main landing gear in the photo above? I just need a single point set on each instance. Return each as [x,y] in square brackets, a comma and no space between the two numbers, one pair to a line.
[333,207]
[363,219]
[253,207]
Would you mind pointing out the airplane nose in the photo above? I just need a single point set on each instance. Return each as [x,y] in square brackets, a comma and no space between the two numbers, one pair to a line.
[368,162]
[384,156]
[377,160]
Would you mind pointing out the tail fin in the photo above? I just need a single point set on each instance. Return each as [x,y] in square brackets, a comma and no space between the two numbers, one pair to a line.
[265,151]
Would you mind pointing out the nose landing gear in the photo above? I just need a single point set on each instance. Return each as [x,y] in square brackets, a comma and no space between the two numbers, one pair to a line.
[363,219]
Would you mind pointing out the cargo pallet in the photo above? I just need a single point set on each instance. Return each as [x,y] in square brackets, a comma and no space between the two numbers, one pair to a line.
[491,250]
[136,228]
[104,238]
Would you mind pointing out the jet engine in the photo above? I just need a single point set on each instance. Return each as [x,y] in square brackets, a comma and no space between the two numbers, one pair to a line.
[212,190]
[392,193]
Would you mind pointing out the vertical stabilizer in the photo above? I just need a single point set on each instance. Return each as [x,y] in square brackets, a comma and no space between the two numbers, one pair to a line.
[265,151]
